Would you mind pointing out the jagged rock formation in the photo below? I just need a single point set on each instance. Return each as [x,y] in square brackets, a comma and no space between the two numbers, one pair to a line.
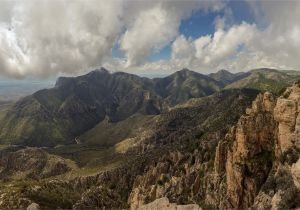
[163,203]
[254,163]
[178,176]
[33,206]
[245,155]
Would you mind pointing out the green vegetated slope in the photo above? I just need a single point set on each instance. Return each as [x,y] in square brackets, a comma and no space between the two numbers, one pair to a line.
[108,133]
[266,80]
[4,107]
[110,141]
[185,84]
[56,116]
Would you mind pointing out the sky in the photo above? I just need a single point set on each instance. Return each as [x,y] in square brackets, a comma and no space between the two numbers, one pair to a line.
[47,38]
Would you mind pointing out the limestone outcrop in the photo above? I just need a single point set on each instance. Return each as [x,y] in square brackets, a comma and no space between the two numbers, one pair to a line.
[163,203]
[245,157]
[257,159]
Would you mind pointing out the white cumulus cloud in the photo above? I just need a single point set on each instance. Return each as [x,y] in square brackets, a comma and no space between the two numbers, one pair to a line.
[47,37]
[50,37]
[208,52]
[156,24]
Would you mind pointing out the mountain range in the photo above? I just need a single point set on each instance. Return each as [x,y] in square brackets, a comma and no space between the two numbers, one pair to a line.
[57,115]
[117,140]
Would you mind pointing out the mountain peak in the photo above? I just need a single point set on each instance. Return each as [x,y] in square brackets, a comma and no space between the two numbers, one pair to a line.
[222,72]
[223,76]
[185,72]
[101,70]
[63,81]
[66,80]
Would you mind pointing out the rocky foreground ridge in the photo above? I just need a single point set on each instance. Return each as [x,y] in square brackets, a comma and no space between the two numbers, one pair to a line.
[256,165]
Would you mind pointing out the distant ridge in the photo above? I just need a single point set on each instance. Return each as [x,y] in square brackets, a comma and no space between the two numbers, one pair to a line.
[76,104]
[225,77]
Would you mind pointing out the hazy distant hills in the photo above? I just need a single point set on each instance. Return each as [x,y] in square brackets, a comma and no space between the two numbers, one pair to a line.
[14,90]
[225,77]
[75,105]
[266,80]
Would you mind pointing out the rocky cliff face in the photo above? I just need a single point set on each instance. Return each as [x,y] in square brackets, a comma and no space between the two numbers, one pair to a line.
[255,165]
[256,161]
[244,158]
